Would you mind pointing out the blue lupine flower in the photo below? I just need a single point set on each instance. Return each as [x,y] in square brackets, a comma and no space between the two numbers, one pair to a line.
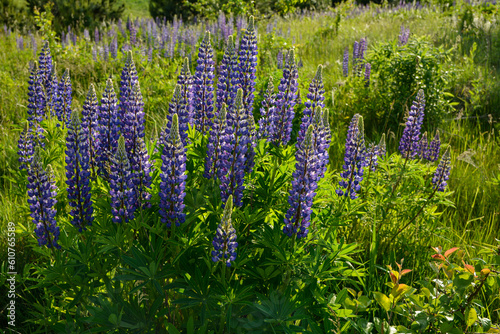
[372,154]
[382,147]
[408,145]
[64,99]
[185,80]
[355,58]
[45,65]
[315,98]
[29,139]
[173,178]
[141,169]
[368,70]
[267,112]
[227,84]
[90,126]
[432,153]
[354,159]
[423,146]
[345,62]
[442,172]
[52,91]
[403,36]
[248,66]
[214,147]
[321,139]
[280,59]
[78,174]
[225,238]
[36,95]
[121,185]
[129,79]
[109,127]
[232,171]
[113,48]
[297,218]
[204,86]
[42,199]
[285,102]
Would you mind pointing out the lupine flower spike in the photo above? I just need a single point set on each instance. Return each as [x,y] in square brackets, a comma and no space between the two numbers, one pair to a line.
[227,84]
[204,86]
[121,185]
[315,98]
[248,65]
[267,112]
[409,143]
[173,178]
[214,147]
[304,184]
[442,172]
[109,127]
[129,79]
[90,126]
[423,146]
[26,146]
[185,80]
[382,150]
[372,155]
[78,174]
[320,142]
[42,199]
[432,153]
[354,160]
[225,238]
[36,95]
[64,99]
[45,67]
[345,62]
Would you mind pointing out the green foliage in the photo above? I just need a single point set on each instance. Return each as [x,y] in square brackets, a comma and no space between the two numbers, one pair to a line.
[11,14]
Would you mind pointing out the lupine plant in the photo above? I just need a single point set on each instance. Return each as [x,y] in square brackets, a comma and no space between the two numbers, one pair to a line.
[64,99]
[109,127]
[203,82]
[122,187]
[225,238]
[90,125]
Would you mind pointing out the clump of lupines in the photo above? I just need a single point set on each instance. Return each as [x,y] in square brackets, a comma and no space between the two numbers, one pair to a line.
[315,98]
[234,148]
[442,172]
[225,238]
[109,127]
[354,159]
[121,185]
[409,143]
[204,86]
[90,125]
[227,84]
[214,147]
[345,62]
[432,154]
[173,178]
[304,184]
[285,101]
[42,199]
[64,99]
[267,112]
[78,174]
[368,70]
[129,79]
[36,95]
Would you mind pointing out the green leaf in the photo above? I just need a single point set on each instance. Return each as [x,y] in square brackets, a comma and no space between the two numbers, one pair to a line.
[171,329]
[383,300]
[471,316]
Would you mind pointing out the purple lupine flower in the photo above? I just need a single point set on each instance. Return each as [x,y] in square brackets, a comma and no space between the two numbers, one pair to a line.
[321,139]
[423,146]
[355,58]
[45,65]
[52,91]
[297,218]
[36,95]
[227,84]
[204,86]
[129,78]
[173,178]
[90,125]
[64,99]
[94,54]
[233,153]
[285,102]
[354,159]
[185,80]
[78,174]
[141,168]
[403,36]
[280,59]
[382,150]
[248,66]
[362,48]
[315,98]
[372,154]
[432,154]
[113,48]
[121,185]
[42,199]
[109,127]
[214,147]
[133,34]
[225,238]
[368,70]
[345,62]
[442,172]
[29,139]
[267,112]
[408,145]
[96,35]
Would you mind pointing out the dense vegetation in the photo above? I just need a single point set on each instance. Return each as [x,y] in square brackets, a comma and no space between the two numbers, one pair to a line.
[165,176]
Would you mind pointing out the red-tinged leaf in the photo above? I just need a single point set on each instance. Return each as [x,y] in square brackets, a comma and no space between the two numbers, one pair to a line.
[450,251]
[394,276]
[468,267]
[438,257]
[405,271]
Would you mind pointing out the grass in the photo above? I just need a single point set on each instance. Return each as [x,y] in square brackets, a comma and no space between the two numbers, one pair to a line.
[136,8]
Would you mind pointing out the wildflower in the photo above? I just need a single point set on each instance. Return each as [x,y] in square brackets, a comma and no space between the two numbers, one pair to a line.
[280,59]
[408,145]
[315,99]
[267,112]
[29,139]
[90,126]
[432,154]
[204,86]
[173,178]
[320,140]
[45,65]
[382,147]
[225,238]
[248,65]
[36,95]
[214,147]
[64,99]
[372,155]
[109,127]
[368,70]
[423,146]
[121,185]
[442,172]
[129,79]
[78,174]
[228,77]
[345,62]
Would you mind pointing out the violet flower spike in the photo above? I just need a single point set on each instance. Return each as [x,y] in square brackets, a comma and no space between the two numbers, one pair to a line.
[129,78]
[432,154]
[248,66]
[408,145]
[267,112]
[214,147]
[204,86]
[36,95]
[345,62]
[225,238]
[90,126]
[109,127]
[442,172]
[227,84]
[64,99]
[315,98]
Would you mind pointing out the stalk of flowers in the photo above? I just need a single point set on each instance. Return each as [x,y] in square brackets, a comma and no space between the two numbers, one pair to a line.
[141,169]
[121,185]
[285,100]
[267,112]
[173,178]
[408,145]
[355,58]
[423,146]
[90,126]
[382,150]
[227,84]
[64,99]
[185,80]
[109,127]
[45,65]
[214,147]
[78,174]
[403,36]
[129,79]
[442,172]
[30,138]
[36,95]
[204,86]
[372,155]
[320,144]
[432,153]
[354,159]
[315,98]
[297,218]
[234,147]
[368,70]
[41,199]
[280,59]
[225,238]
[345,62]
